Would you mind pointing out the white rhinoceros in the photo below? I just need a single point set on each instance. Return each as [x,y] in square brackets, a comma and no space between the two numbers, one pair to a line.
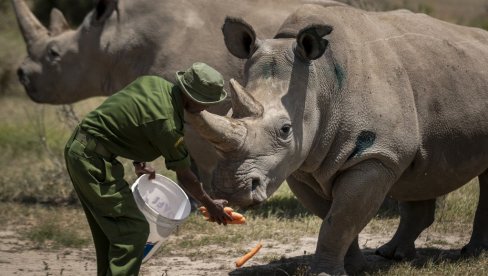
[123,39]
[351,106]
[119,40]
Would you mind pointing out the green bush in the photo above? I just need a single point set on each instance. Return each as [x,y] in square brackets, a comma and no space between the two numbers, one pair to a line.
[480,22]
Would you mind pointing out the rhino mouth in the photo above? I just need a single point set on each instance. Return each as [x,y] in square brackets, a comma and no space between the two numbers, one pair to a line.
[28,85]
[33,94]
[253,192]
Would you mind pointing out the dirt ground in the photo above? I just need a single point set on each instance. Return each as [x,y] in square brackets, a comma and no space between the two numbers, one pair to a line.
[19,257]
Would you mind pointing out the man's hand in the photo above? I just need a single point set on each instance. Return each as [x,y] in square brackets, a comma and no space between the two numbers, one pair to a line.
[215,209]
[141,168]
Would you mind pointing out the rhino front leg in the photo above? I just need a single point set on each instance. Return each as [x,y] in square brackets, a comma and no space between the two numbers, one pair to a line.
[415,216]
[479,237]
[319,206]
[357,195]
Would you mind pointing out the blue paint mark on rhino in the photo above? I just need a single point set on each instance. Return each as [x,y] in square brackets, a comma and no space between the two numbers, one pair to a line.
[340,74]
[268,69]
[365,140]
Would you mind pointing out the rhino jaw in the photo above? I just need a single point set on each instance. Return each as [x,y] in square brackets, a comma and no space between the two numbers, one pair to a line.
[251,191]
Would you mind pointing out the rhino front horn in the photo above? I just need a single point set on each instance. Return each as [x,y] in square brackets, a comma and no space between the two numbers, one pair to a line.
[32,30]
[226,134]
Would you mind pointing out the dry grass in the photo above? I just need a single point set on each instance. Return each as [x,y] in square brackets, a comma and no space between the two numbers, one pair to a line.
[280,221]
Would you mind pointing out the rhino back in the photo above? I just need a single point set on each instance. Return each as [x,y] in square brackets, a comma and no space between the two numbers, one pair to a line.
[196,28]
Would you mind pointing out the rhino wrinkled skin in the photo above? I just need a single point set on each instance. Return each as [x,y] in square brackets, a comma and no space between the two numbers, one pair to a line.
[121,40]
[349,107]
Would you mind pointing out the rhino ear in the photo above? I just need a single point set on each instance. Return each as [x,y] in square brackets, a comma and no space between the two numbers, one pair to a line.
[239,37]
[58,23]
[310,42]
[104,9]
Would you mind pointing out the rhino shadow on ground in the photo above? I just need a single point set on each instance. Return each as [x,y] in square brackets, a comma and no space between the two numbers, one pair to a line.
[289,208]
[281,207]
[299,265]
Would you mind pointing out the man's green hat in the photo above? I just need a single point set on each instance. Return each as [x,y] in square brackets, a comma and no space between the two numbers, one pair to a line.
[202,84]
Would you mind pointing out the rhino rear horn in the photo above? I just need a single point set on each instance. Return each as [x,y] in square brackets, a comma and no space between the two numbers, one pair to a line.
[310,42]
[58,23]
[243,103]
[32,30]
[240,37]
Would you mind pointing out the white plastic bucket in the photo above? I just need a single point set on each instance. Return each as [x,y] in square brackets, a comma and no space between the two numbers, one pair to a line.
[165,206]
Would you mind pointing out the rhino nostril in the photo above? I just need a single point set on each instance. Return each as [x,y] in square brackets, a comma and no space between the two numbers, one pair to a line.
[20,73]
[255,183]
[23,78]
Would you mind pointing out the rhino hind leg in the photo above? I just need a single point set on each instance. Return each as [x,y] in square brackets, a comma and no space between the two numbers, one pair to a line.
[415,216]
[479,237]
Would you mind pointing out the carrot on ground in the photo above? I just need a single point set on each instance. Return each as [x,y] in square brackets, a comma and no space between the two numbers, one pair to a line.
[248,255]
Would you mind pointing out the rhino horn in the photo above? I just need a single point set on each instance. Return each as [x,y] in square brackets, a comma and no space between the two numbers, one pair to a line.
[226,134]
[58,23]
[243,103]
[31,28]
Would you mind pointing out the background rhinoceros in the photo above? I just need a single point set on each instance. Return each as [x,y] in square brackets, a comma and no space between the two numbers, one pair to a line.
[350,106]
[120,40]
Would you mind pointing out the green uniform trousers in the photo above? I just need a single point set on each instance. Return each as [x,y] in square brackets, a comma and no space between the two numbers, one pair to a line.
[118,227]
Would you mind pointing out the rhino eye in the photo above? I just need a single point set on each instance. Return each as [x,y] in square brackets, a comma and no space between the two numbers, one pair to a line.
[53,54]
[285,130]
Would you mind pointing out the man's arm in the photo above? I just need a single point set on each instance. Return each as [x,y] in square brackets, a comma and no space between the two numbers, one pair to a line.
[191,183]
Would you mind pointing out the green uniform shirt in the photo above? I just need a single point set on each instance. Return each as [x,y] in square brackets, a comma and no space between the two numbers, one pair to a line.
[142,122]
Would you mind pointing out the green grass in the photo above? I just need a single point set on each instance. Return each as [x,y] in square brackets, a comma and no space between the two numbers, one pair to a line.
[47,227]
[473,266]
[33,137]
[51,232]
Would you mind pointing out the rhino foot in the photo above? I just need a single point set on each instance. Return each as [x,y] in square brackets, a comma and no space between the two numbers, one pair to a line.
[474,249]
[336,273]
[355,263]
[355,268]
[395,251]
[321,269]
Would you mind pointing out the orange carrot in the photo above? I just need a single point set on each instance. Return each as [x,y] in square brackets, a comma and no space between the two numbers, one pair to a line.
[226,209]
[248,255]
[237,221]
[236,217]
